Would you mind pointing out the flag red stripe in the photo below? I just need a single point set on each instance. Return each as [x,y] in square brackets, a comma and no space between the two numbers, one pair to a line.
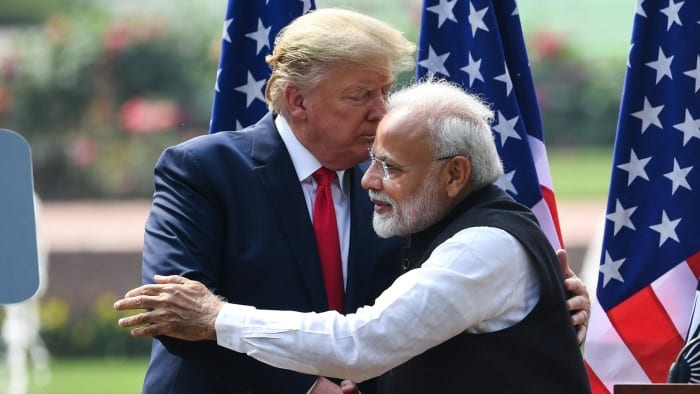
[694,264]
[551,202]
[645,327]
[597,386]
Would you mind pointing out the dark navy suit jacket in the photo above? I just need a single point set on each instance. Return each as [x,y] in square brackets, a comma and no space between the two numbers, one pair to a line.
[228,210]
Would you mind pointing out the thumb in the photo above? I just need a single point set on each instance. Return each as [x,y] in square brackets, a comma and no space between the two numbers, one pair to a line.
[564,263]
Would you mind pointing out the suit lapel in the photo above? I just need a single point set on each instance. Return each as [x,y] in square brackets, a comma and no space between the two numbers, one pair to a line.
[278,177]
[363,245]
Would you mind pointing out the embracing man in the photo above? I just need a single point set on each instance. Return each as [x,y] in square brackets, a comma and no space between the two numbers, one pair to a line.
[483,308]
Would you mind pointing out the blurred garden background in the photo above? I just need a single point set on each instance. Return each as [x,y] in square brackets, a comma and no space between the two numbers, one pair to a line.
[99,88]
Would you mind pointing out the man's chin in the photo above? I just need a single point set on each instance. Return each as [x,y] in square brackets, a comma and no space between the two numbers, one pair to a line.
[385,229]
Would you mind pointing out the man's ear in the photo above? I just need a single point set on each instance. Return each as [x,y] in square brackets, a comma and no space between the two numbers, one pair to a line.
[294,100]
[459,174]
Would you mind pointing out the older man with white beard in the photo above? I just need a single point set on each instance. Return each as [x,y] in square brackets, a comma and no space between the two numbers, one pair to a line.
[483,310]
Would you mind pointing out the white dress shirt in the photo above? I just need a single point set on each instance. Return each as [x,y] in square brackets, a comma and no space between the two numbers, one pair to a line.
[479,280]
[305,164]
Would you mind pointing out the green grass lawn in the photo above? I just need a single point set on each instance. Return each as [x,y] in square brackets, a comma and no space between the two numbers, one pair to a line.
[90,376]
[580,174]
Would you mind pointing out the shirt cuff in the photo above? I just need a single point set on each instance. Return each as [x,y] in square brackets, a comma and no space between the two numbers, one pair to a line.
[229,325]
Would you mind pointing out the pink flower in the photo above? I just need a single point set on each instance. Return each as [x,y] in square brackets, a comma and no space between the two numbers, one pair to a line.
[549,44]
[142,116]
[84,151]
[117,37]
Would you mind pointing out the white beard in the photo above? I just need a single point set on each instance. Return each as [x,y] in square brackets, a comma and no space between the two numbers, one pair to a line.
[416,215]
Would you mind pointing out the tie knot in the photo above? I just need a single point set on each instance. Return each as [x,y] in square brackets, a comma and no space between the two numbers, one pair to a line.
[324,176]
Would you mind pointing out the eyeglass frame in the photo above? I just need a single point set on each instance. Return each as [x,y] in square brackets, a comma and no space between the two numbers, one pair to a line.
[386,168]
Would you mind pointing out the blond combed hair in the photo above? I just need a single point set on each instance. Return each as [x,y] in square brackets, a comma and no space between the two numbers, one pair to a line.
[328,37]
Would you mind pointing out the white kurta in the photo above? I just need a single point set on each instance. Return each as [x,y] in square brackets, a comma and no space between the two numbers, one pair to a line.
[479,280]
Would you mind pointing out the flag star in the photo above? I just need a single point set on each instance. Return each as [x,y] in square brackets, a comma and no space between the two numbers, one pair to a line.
[505,78]
[611,269]
[261,36]
[666,229]
[476,18]
[640,9]
[621,217]
[252,89]
[506,128]
[505,182]
[662,65]
[649,115]
[678,176]
[444,11]
[672,13]
[226,36]
[690,127]
[216,84]
[307,6]
[434,63]
[473,68]
[629,53]
[635,168]
[695,74]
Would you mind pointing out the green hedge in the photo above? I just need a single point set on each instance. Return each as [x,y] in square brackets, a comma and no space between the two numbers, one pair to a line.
[98,95]
[93,334]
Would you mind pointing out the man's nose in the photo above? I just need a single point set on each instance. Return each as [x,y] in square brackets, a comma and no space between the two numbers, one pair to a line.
[372,179]
[378,108]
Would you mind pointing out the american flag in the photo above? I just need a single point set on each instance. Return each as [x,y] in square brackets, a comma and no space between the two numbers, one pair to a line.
[649,261]
[479,44]
[248,35]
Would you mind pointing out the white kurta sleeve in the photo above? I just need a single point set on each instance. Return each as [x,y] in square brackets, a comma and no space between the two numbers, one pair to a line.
[478,280]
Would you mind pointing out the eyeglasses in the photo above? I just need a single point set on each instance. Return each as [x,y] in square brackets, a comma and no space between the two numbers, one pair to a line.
[390,171]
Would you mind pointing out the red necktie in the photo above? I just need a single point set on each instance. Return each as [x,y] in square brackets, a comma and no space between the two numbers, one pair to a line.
[326,229]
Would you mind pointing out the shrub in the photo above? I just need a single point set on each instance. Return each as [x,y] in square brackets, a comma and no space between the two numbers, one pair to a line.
[98,97]
[95,334]
[579,99]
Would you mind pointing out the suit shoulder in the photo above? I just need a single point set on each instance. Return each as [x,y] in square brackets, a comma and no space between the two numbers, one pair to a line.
[206,142]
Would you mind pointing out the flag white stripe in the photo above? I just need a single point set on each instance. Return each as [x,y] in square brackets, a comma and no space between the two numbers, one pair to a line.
[605,352]
[539,155]
[544,216]
[675,289]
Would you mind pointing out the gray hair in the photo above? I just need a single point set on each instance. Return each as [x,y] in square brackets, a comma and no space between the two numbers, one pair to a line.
[332,36]
[459,123]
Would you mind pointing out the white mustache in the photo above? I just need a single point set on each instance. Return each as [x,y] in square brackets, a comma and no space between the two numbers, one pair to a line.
[375,196]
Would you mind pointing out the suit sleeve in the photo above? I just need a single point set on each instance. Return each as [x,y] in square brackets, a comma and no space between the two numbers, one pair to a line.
[183,233]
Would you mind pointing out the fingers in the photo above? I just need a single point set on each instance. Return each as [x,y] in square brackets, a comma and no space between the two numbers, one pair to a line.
[348,387]
[137,302]
[173,279]
[579,305]
[564,263]
[579,318]
[581,331]
[159,286]
[134,320]
[149,290]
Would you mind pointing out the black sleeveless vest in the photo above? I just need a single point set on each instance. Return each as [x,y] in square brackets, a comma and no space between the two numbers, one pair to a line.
[539,355]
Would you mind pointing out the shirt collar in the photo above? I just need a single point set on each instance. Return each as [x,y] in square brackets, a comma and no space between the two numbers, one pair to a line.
[305,163]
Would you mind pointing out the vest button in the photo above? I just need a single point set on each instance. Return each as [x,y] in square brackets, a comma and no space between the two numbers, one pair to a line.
[405,264]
